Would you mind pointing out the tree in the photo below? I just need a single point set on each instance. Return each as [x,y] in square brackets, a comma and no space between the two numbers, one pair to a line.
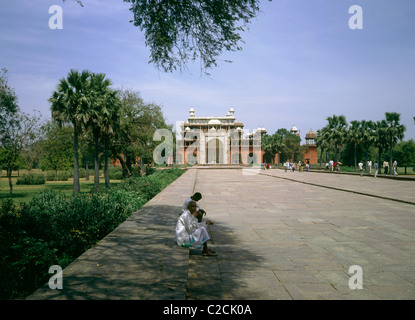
[394,132]
[80,3]
[367,135]
[16,128]
[404,153]
[290,147]
[272,144]
[8,101]
[57,147]
[181,30]
[177,31]
[69,104]
[15,136]
[354,136]
[336,132]
[98,117]
[110,126]
[322,142]
[138,122]
[380,139]
[33,151]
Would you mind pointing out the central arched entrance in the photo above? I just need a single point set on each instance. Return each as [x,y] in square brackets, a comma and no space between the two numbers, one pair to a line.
[214,154]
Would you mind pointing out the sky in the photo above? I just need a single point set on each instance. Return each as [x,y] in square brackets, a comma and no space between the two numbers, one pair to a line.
[301,61]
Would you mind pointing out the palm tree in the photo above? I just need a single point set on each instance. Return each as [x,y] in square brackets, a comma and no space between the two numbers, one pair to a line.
[354,136]
[321,141]
[380,139]
[109,126]
[69,103]
[336,132]
[99,117]
[367,134]
[394,132]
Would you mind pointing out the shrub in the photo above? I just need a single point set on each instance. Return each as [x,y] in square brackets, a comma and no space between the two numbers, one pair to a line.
[115,173]
[54,228]
[31,179]
[57,175]
[149,186]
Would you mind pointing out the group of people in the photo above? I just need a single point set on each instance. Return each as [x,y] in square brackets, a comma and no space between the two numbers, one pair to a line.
[333,166]
[376,167]
[191,229]
[299,166]
[266,166]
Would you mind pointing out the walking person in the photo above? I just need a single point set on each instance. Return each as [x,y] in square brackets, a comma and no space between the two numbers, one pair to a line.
[375,166]
[385,167]
[361,168]
[395,168]
[369,165]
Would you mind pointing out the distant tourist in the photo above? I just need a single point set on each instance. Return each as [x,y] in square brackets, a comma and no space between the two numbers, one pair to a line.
[286,165]
[361,168]
[375,167]
[395,168]
[369,166]
[385,167]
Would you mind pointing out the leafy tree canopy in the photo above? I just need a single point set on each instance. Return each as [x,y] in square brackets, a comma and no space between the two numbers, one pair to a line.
[177,31]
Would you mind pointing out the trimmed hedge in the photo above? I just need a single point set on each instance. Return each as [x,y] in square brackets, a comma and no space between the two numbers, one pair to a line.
[31,179]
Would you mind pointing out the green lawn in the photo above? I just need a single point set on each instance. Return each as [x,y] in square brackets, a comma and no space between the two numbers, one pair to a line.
[24,193]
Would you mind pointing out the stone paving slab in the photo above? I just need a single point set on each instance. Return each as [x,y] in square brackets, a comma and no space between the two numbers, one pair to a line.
[398,188]
[292,239]
[278,237]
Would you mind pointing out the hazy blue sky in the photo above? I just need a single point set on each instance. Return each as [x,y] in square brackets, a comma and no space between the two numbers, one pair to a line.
[300,62]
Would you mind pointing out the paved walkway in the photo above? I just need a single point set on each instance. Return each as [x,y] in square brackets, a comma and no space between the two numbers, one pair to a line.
[278,235]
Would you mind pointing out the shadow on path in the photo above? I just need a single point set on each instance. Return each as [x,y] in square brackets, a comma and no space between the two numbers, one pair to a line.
[222,276]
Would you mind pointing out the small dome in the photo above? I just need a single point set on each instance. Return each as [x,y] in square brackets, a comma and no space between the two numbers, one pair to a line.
[214,121]
[311,135]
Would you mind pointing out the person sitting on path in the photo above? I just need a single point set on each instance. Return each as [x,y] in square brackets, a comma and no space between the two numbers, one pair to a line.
[196,197]
[190,232]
